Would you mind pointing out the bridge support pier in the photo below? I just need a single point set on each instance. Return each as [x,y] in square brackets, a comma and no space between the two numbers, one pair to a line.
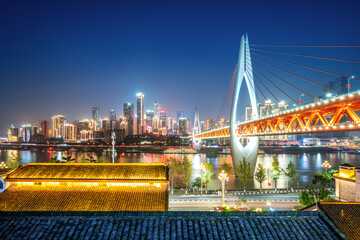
[244,72]
[196,143]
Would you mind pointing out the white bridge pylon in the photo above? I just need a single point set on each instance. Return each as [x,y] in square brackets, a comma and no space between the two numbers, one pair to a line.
[196,143]
[244,72]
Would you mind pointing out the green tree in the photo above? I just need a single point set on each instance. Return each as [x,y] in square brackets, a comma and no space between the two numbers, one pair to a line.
[226,167]
[13,161]
[208,174]
[318,192]
[290,173]
[197,183]
[101,159]
[53,160]
[275,171]
[260,175]
[83,159]
[174,169]
[244,172]
[186,169]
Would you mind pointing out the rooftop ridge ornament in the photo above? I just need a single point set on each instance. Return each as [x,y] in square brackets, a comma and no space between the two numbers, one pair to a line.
[238,150]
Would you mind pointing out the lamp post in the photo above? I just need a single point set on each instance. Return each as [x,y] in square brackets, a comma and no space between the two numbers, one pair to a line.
[223,177]
[326,165]
[113,146]
[202,168]
[300,101]
[268,177]
[268,205]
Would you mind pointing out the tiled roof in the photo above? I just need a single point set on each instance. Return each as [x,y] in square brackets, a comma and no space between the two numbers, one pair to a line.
[345,215]
[84,198]
[164,225]
[89,172]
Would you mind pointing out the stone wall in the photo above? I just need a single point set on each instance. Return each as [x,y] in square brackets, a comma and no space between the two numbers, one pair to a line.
[345,190]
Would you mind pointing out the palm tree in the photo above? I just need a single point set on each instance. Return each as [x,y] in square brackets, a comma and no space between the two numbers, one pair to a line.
[275,171]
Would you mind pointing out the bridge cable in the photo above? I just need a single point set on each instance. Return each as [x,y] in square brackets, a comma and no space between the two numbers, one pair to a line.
[230,91]
[309,56]
[285,81]
[252,86]
[315,69]
[274,85]
[265,85]
[294,73]
[321,46]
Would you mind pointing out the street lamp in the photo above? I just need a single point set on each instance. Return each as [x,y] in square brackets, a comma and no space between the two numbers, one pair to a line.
[202,168]
[268,176]
[326,165]
[300,101]
[268,204]
[223,177]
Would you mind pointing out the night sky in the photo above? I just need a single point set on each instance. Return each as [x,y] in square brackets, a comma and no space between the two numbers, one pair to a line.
[64,57]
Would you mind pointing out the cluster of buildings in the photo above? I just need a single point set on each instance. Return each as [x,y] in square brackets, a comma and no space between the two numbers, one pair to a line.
[133,122]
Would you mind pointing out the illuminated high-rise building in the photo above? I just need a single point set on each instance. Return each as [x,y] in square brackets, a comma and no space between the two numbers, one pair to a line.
[248,113]
[28,132]
[188,126]
[182,126]
[140,112]
[180,114]
[202,126]
[162,118]
[106,124]
[149,117]
[170,123]
[55,122]
[69,132]
[129,114]
[209,124]
[13,134]
[157,108]
[155,123]
[95,116]
[113,116]
[45,129]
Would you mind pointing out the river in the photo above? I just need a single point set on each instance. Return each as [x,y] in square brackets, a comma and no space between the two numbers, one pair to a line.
[306,164]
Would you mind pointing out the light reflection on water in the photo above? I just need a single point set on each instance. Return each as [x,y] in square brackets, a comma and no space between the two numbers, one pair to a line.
[306,164]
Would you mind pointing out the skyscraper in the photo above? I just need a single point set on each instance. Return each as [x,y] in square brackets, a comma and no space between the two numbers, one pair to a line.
[182,126]
[129,115]
[95,116]
[140,123]
[157,108]
[162,118]
[45,129]
[55,122]
[149,117]
[248,113]
[180,114]
[113,115]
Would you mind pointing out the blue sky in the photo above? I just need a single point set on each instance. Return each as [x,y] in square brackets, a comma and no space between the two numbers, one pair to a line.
[61,57]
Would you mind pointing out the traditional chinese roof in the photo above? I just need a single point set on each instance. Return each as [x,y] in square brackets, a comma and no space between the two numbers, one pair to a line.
[345,215]
[92,172]
[165,225]
[126,197]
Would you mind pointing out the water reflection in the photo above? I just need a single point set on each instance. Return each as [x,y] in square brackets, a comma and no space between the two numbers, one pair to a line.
[306,165]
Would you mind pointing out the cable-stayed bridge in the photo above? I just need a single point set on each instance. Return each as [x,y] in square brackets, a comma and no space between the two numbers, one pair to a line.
[336,112]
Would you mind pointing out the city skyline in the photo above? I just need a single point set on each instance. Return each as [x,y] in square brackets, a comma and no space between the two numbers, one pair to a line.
[67,58]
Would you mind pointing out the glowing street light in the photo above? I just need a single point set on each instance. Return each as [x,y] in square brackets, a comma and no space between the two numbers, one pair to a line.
[268,204]
[202,168]
[223,177]
[268,176]
[329,95]
[326,165]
